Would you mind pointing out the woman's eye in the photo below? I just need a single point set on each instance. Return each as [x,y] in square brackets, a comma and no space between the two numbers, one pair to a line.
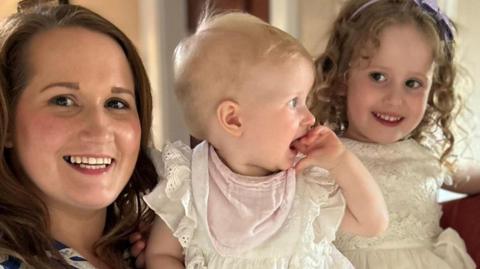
[62,101]
[413,84]
[378,77]
[116,104]
[293,103]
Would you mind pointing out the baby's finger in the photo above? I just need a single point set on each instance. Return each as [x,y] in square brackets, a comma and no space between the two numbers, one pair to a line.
[313,141]
[135,237]
[140,261]
[138,248]
[313,136]
[300,146]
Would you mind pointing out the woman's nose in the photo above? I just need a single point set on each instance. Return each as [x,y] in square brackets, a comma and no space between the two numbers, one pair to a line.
[97,126]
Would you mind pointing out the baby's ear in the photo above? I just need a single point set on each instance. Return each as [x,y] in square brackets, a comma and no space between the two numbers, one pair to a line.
[229,118]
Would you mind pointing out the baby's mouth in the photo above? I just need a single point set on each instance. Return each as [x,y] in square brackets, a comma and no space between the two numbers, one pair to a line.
[295,141]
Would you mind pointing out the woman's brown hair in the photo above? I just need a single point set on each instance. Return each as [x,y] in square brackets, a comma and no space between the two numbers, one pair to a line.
[24,221]
[356,31]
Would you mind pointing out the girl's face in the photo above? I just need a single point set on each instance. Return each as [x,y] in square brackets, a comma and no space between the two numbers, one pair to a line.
[387,94]
[77,130]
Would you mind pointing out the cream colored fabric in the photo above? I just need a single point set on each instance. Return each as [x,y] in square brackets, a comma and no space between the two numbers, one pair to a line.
[303,242]
[409,177]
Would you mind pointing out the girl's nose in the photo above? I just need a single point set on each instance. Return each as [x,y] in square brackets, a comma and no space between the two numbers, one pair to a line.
[394,96]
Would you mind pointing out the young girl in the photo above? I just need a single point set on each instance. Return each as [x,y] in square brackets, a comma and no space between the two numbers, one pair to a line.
[235,201]
[387,86]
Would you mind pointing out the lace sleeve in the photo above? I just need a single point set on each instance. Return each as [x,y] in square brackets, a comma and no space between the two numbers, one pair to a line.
[172,198]
[326,195]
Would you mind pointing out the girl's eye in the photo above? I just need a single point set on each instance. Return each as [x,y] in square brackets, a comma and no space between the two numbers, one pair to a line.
[116,104]
[62,101]
[293,103]
[378,77]
[413,84]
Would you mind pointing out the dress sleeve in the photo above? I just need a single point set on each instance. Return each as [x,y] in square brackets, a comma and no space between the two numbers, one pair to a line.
[172,198]
[327,197]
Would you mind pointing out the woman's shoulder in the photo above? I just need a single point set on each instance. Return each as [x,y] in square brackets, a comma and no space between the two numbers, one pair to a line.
[70,256]
[9,262]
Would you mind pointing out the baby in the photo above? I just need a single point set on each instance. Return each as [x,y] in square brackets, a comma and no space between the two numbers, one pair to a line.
[244,197]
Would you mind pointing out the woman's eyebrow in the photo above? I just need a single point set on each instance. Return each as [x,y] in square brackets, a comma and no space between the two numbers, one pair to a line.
[117,89]
[69,85]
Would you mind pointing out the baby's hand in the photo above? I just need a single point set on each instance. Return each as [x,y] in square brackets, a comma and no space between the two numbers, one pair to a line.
[321,147]
[137,249]
[138,244]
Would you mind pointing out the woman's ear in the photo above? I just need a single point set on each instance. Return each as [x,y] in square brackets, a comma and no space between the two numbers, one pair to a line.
[229,118]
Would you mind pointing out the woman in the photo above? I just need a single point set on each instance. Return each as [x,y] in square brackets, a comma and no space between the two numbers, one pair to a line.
[75,118]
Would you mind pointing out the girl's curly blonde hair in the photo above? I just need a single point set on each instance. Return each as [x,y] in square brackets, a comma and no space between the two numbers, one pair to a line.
[356,31]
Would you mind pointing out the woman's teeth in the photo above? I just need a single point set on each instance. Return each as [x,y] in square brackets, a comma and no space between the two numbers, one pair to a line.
[89,162]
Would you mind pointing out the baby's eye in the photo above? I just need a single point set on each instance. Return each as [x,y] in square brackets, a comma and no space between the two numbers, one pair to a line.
[62,101]
[413,84]
[293,103]
[378,77]
[116,104]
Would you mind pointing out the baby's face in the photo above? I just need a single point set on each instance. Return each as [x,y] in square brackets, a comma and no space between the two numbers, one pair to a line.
[387,98]
[274,113]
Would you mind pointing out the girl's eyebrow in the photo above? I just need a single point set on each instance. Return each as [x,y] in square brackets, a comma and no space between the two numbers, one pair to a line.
[69,85]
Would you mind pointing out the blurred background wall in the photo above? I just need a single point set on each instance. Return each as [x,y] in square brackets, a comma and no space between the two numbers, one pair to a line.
[156,26]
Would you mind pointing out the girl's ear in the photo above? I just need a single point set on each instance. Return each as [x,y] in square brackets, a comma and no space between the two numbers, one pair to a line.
[343,85]
[229,118]
[342,89]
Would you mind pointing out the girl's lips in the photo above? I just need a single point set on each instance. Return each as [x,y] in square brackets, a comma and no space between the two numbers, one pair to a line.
[387,120]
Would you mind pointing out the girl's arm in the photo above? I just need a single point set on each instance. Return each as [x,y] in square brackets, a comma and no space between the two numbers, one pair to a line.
[163,249]
[366,213]
[466,179]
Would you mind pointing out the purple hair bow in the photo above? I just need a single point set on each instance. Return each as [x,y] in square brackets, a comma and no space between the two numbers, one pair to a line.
[431,7]
[444,24]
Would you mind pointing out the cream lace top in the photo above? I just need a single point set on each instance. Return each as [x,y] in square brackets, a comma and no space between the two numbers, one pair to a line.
[304,241]
[409,177]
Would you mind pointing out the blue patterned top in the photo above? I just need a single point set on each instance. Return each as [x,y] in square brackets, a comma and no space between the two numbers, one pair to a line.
[73,258]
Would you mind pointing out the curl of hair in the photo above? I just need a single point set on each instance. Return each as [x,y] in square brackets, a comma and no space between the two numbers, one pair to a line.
[351,37]
[24,219]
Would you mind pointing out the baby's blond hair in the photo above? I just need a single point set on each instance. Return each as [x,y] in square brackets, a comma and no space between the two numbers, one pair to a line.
[210,65]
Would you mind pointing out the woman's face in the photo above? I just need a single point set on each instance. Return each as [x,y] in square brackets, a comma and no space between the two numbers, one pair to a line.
[77,130]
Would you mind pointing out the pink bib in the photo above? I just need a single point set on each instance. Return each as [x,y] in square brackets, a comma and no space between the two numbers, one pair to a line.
[241,211]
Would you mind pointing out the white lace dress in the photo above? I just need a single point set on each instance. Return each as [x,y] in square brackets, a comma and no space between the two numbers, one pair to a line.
[409,177]
[303,242]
